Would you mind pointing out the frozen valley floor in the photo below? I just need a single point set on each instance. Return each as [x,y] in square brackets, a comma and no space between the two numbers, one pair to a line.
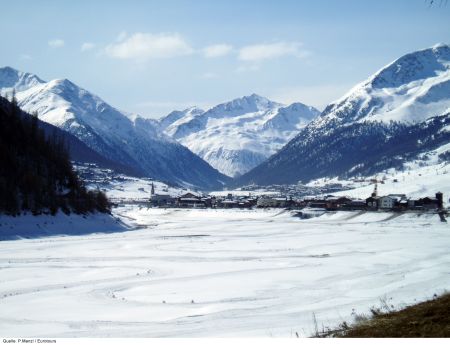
[196,273]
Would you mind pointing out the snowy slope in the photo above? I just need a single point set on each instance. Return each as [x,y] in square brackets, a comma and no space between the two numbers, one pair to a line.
[238,135]
[121,188]
[30,226]
[11,79]
[176,115]
[381,123]
[410,89]
[421,177]
[137,143]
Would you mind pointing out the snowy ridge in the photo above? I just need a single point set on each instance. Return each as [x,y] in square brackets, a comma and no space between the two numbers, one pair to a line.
[238,135]
[187,115]
[138,143]
[410,89]
[11,79]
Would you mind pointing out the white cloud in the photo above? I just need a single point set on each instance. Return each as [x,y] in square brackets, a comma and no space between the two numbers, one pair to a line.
[144,46]
[56,43]
[87,46]
[266,51]
[217,50]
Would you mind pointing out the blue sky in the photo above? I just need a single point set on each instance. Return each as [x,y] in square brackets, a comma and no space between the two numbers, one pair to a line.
[151,57]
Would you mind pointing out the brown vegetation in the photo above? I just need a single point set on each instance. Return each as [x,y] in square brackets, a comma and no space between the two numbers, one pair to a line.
[430,319]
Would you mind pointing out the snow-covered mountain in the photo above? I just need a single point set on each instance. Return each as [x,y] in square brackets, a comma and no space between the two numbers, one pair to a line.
[409,90]
[12,79]
[238,135]
[359,133]
[176,115]
[78,150]
[137,142]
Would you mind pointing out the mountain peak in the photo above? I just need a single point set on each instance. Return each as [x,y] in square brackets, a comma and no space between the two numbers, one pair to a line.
[300,107]
[409,90]
[193,108]
[192,111]
[414,66]
[242,105]
[238,135]
[176,115]
[11,78]
[256,97]
[9,69]
[66,83]
[295,116]
[440,45]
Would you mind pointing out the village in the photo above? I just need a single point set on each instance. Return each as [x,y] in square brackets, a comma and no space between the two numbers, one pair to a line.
[305,199]
[375,202]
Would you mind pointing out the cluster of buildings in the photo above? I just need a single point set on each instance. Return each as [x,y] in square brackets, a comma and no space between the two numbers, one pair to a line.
[400,202]
[298,190]
[393,202]
[191,200]
[390,202]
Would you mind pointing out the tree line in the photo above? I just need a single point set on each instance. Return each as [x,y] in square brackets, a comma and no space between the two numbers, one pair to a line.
[36,174]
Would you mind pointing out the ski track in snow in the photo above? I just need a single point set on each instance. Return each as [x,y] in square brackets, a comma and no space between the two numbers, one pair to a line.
[220,273]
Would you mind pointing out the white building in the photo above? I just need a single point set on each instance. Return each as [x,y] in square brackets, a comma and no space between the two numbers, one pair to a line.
[388,202]
[272,202]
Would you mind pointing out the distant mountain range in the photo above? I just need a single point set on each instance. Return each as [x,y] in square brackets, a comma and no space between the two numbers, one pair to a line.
[136,143]
[392,117]
[236,136]
[398,114]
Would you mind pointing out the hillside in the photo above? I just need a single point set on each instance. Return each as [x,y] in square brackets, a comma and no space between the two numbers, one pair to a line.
[429,319]
[35,171]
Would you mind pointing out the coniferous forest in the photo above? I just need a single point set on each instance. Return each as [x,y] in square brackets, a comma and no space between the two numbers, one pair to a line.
[36,174]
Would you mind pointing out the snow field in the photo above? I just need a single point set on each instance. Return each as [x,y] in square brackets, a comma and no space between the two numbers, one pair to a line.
[195,273]
[29,226]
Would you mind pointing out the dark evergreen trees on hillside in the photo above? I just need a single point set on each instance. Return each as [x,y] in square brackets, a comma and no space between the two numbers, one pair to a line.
[35,170]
